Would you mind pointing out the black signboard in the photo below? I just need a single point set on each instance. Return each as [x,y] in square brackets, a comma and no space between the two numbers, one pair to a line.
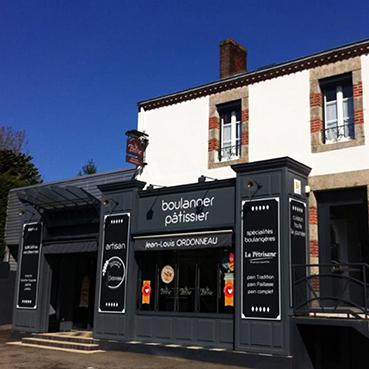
[190,241]
[29,266]
[260,259]
[113,279]
[187,211]
[298,243]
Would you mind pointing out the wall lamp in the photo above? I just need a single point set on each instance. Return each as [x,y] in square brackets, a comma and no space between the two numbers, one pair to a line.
[252,184]
[202,179]
[151,187]
[107,202]
[22,212]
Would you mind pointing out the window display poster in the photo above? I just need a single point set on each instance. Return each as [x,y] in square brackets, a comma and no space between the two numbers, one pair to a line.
[146,292]
[114,263]
[260,259]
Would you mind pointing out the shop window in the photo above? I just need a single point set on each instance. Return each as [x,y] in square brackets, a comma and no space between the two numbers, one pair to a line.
[187,281]
[208,286]
[147,287]
[226,271]
[167,282]
[338,109]
[230,131]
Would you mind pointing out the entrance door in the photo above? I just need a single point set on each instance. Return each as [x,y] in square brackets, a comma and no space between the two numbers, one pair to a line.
[72,294]
[343,236]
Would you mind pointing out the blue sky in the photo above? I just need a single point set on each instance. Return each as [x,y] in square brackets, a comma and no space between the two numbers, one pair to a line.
[72,72]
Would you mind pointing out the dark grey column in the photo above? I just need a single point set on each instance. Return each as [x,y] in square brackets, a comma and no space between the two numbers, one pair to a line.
[118,198]
[264,191]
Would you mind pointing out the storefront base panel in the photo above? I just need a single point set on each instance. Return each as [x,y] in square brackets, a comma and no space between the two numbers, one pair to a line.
[110,326]
[26,321]
[226,357]
[206,332]
[261,336]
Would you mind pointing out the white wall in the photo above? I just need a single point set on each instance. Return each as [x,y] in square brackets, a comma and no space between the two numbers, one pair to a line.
[279,125]
[279,122]
[178,142]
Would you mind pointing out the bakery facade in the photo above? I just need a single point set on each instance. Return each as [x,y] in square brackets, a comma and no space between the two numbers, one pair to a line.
[251,239]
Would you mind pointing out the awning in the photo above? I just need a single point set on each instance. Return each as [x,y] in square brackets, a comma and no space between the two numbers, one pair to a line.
[71,247]
[184,241]
[56,197]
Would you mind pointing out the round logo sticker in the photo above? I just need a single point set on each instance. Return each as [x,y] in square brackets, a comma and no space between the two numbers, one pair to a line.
[114,272]
[167,274]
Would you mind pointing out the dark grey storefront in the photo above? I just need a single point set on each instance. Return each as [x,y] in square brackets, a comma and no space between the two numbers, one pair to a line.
[179,227]
[205,264]
[52,231]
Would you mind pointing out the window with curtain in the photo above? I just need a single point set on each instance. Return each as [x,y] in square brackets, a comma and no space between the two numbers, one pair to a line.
[230,131]
[338,109]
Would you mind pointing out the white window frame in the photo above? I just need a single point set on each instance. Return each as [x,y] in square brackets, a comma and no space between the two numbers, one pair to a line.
[342,122]
[234,141]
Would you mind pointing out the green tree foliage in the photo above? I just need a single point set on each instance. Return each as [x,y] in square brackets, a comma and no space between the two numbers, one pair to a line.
[88,168]
[16,170]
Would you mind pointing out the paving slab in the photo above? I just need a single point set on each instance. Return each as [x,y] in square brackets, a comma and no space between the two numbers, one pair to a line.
[21,357]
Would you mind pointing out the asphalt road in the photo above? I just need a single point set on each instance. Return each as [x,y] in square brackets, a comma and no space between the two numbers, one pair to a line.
[16,357]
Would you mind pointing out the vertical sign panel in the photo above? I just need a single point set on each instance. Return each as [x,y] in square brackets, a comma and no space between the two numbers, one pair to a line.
[298,247]
[260,259]
[29,266]
[113,279]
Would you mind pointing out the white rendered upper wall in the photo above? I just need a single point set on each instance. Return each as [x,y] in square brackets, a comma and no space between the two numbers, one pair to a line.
[178,143]
[279,125]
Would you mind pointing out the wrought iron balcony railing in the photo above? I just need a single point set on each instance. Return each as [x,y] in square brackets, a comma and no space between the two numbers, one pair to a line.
[336,289]
[229,152]
[339,133]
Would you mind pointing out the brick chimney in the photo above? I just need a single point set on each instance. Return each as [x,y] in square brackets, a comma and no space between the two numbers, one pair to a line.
[232,58]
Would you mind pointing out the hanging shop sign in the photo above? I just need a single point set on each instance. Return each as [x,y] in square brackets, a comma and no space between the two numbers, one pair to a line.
[113,277]
[260,259]
[191,241]
[298,244]
[136,146]
[29,266]
[209,208]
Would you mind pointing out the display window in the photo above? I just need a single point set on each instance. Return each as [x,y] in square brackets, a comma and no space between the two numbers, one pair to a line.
[186,281]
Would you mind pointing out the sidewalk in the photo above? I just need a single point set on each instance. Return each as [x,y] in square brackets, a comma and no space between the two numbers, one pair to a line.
[16,357]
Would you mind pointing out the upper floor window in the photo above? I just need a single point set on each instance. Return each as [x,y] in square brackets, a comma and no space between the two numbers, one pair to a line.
[338,109]
[230,131]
